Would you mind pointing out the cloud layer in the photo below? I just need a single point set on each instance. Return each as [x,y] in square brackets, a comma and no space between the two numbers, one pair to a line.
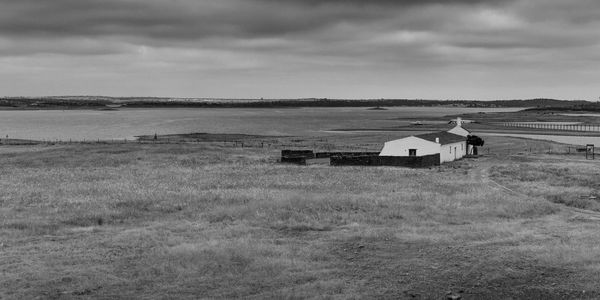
[301,48]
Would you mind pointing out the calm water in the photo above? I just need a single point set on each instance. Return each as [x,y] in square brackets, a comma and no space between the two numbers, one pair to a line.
[128,123]
[571,140]
[582,115]
[542,123]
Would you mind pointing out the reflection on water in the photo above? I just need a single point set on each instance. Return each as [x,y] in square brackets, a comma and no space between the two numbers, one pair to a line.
[128,123]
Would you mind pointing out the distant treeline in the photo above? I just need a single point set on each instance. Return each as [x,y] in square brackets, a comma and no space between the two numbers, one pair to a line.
[148,102]
[583,107]
[356,103]
[52,102]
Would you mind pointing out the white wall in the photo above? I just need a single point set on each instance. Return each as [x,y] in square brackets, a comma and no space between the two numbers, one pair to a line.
[400,147]
[448,151]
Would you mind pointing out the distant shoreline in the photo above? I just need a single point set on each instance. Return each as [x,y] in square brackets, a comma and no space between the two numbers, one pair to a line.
[109,103]
[506,130]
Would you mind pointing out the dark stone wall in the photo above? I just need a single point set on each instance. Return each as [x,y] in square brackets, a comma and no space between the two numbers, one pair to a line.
[298,153]
[297,157]
[293,160]
[398,161]
[300,157]
[331,154]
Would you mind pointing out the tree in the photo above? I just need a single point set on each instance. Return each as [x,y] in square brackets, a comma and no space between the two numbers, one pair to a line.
[475,141]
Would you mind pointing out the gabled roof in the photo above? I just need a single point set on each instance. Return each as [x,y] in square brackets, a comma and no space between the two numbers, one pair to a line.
[462,127]
[459,130]
[445,137]
[411,137]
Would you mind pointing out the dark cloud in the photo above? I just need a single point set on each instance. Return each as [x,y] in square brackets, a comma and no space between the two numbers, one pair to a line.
[303,37]
[193,19]
[394,3]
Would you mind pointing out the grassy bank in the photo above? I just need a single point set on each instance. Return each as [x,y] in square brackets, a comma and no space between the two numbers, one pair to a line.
[206,221]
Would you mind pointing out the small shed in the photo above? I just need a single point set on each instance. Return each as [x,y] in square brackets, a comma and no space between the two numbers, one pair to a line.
[459,130]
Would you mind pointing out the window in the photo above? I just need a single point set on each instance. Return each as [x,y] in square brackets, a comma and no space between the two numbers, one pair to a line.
[412,152]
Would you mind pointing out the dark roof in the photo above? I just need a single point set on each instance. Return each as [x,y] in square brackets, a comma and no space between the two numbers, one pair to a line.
[445,137]
[463,127]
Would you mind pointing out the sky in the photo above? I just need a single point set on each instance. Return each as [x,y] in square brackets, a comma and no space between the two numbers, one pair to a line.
[417,49]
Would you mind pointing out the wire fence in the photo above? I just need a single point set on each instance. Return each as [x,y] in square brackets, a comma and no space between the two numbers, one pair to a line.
[317,145]
[322,144]
[577,127]
[558,149]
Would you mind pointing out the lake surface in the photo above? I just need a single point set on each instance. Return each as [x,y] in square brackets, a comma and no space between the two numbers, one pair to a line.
[565,139]
[542,123]
[128,123]
[582,115]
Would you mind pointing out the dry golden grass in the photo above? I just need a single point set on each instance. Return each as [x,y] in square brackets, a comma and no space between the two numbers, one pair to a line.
[202,221]
[572,182]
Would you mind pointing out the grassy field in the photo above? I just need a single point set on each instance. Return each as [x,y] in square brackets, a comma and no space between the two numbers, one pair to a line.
[173,221]
[573,183]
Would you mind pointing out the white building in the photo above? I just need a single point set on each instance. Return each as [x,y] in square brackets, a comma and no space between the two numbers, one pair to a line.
[410,146]
[449,146]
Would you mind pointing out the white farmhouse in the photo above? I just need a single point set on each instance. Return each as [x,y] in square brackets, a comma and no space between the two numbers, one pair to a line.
[448,145]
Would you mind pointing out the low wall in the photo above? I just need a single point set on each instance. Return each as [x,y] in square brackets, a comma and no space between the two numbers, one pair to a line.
[300,157]
[293,160]
[331,154]
[397,161]
[297,157]
[298,153]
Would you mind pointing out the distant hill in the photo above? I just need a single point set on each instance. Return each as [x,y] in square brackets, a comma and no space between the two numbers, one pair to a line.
[79,102]
[579,107]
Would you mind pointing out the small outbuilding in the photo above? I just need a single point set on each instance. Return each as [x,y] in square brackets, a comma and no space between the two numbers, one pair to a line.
[459,130]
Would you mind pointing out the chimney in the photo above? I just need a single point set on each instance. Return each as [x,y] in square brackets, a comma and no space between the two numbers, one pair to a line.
[437,140]
[459,121]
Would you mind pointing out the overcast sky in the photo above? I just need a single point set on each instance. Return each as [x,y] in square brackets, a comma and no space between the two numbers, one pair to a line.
[433,49]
